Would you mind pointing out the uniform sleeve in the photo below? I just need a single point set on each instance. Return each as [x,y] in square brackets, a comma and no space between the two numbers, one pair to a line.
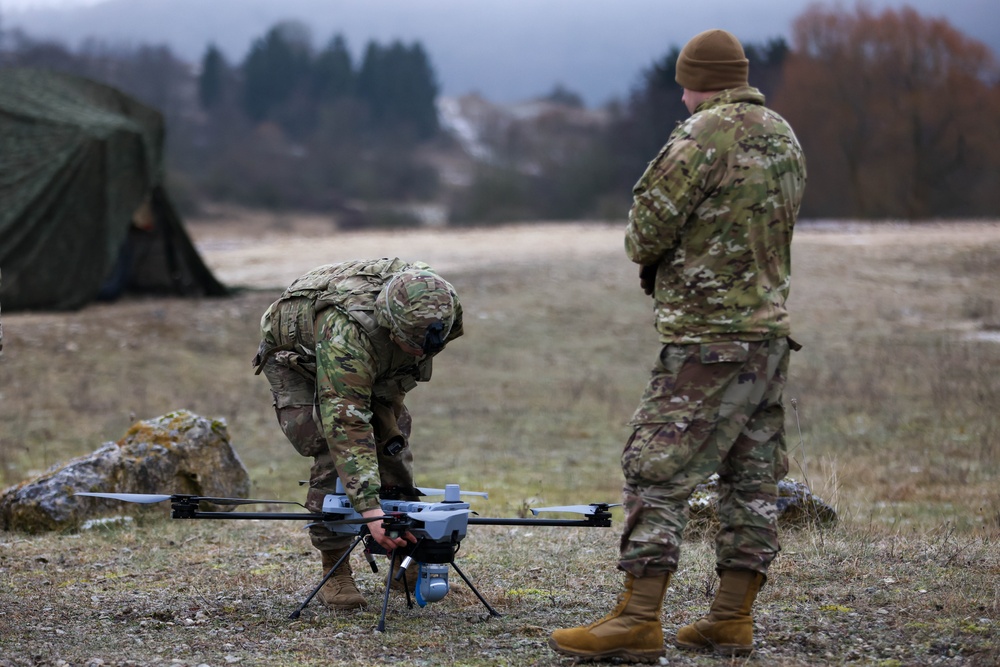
[672,187]
[457,328]
[345,374]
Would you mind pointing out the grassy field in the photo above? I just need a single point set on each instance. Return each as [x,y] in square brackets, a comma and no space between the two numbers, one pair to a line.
[895,423]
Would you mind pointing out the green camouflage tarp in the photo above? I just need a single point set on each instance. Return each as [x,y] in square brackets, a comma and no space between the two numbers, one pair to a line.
[83,210]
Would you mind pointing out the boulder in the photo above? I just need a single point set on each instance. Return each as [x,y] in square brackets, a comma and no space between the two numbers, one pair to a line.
[797,507]
[179,452]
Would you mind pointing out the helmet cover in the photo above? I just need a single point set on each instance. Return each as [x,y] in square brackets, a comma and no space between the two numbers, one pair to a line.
[418,307]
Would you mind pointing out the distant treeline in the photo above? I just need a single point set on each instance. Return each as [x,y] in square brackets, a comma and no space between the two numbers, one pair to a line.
[897,113]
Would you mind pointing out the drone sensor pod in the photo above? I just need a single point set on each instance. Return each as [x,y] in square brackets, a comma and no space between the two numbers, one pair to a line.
[432,583]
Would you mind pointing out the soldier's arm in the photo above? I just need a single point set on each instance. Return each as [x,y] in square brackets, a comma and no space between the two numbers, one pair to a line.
[669,191]
[345,374]
[457,327]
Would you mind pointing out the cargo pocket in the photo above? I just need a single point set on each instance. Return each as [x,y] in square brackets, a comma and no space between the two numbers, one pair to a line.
[290,381]
[656,452]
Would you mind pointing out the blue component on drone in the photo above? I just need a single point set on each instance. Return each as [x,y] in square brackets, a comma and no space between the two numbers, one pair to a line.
[432,583]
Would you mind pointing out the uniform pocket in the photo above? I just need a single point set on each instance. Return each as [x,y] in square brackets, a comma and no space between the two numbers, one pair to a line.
[657,452]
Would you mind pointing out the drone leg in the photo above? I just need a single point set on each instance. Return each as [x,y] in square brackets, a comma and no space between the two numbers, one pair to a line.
[385,598]
[295,614]
[493,612]
[406,589]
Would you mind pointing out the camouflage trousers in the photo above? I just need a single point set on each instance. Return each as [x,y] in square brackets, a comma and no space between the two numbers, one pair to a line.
[709,408]
[298,416]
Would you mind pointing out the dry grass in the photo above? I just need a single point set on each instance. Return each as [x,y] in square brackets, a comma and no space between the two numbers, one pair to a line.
[895,391]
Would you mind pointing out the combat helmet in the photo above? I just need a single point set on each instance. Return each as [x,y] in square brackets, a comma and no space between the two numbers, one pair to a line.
[418,307]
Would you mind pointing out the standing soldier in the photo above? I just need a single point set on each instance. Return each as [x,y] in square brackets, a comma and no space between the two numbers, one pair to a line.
[711,228]
[341,348]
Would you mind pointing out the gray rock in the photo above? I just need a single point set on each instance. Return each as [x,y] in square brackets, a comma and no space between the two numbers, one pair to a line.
[797,507]
[179,452]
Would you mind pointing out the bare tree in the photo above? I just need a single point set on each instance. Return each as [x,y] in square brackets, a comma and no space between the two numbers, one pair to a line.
[894,111]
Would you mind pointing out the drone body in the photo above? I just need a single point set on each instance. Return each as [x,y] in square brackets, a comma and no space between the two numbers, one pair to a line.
[439,521]
[439,528]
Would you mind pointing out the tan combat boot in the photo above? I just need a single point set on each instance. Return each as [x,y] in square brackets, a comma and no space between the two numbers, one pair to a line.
[339,591]
[728,628]
[632,631]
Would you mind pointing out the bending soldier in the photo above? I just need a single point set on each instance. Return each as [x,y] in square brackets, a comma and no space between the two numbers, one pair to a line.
[341,348]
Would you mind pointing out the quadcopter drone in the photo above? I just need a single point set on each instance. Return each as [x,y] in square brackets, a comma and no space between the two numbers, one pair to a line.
[439,528]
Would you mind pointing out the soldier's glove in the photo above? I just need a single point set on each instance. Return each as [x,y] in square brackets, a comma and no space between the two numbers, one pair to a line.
[647,278]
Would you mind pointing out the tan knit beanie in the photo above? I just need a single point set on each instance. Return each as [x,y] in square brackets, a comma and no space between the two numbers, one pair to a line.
[712,60]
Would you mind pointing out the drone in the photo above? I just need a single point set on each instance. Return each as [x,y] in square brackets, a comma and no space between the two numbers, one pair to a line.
[439,528]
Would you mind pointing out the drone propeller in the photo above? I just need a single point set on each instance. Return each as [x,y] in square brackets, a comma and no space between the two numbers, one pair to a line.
[587,510]
[428,491]
[144,498]
[148,498]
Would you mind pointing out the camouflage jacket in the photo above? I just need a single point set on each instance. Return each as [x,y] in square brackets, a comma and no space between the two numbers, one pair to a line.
[714,212]
[327,319]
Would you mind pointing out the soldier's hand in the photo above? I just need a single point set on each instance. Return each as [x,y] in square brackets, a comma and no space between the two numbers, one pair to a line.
[647,278]
[378,532]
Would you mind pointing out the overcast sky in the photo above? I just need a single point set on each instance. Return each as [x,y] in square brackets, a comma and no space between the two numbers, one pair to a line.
[505,49]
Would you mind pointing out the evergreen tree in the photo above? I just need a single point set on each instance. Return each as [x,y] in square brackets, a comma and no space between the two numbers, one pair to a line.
[397,83]
[212,78]
[333,74]
[417,89]
[767,62]
[276,67]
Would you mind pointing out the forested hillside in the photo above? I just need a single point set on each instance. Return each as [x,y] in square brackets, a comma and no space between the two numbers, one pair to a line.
[897,113]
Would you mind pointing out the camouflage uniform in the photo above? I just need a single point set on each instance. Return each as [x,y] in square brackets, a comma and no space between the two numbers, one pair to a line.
[339,380]
[713,213]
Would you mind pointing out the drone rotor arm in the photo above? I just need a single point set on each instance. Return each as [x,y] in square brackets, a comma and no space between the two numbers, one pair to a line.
[243,501]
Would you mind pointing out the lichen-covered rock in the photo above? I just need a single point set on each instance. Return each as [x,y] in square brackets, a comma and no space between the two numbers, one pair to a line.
[179,452]
[797,506]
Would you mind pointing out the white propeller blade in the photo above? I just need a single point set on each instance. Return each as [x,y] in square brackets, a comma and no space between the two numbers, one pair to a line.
[587,510]
[427,491]
[144,498]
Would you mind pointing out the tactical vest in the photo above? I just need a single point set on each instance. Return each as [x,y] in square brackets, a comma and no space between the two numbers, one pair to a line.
[350,288]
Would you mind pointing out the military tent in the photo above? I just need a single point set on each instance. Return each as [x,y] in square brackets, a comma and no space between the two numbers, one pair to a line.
[83,209]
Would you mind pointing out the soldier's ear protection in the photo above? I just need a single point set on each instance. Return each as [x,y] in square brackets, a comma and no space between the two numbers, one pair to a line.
[434,338]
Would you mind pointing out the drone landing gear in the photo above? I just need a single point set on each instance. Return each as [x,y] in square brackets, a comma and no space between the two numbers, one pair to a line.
[295,614]
[396,557]
[493,612]
[409,603]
